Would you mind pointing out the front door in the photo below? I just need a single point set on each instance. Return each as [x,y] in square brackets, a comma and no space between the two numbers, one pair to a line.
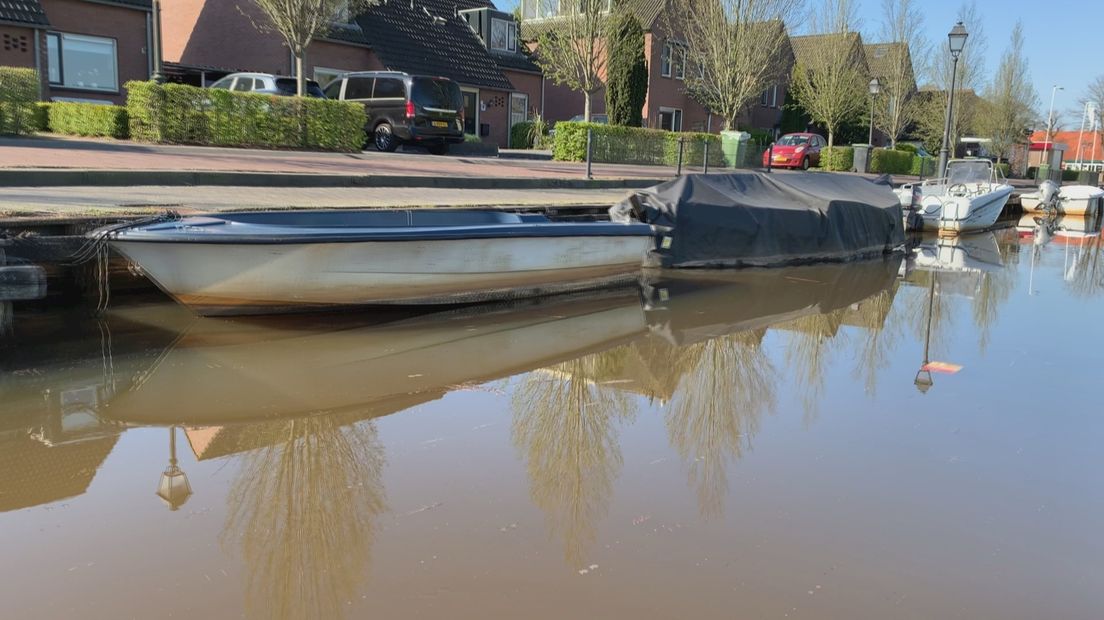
[471,112]
[519,108]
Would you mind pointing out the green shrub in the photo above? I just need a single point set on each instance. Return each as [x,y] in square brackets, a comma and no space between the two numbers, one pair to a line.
[1005,169]
[180,114]
[524,135]
[40,118]
[1069,175]
[633,145]
[837,158]
[18,94]
[887,161]
[88,119]
[922,166]
[908,148]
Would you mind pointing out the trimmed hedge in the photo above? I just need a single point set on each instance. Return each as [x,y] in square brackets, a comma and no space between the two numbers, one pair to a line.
[888,161]
[922,166]
[837,158]
[88,119]
[18,94]
[40,118]
[1005,169]
[180,114]
[633,145]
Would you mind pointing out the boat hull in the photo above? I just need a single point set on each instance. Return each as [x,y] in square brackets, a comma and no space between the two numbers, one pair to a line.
[223,278]
[981,213]
[1072,200]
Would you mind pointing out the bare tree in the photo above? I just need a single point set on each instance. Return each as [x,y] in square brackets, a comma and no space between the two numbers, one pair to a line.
[1010,101]
[735,50]
[904,44]
[302,21]
[970,79]
[829,78]
[571,45]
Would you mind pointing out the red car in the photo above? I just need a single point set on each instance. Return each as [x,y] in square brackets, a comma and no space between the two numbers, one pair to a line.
[796,150]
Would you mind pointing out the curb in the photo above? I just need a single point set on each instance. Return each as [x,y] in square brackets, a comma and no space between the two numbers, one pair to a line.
[38,177]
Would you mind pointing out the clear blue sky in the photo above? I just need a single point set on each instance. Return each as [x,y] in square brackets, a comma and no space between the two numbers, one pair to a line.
[1066,47]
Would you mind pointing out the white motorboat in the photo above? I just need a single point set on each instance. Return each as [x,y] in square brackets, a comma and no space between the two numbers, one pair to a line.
[1071,200]
[971,197]
[293,261]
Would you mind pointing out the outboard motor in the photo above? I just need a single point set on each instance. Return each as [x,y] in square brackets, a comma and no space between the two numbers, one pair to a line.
[1048,195]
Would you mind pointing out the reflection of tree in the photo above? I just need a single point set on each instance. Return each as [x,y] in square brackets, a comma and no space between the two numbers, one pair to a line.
[303,510]
[811,343]
[727,385]
[1085,276]
[994,288]
[564,426]
[883,330]
[916,306]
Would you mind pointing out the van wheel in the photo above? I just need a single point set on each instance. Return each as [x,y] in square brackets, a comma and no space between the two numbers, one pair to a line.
[385,138]
[805,163]
[438,149]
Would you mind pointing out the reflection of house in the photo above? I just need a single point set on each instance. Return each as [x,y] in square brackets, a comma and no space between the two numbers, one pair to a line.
[465,40]
[33,473]
[83,49]
[668,104]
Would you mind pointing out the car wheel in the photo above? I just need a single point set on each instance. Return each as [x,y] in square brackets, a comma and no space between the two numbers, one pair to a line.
[385,138]
[438,149]
[805,163]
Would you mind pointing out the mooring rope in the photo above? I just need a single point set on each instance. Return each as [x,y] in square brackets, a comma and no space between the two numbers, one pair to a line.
[95,248]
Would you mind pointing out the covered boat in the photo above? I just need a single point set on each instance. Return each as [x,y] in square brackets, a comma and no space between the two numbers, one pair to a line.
[265,262]
[757,219]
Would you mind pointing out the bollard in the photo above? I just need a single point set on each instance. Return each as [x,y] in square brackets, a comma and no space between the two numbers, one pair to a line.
[590,134]
[705,158]
[678,172]
[770,156]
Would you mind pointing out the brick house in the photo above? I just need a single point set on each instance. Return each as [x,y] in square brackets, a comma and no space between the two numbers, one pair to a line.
[468,41]
[668,105]
[1080,150]
[84,50]
[880,59]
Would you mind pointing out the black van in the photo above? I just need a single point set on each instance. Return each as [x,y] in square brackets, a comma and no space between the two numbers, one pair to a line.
[404,108]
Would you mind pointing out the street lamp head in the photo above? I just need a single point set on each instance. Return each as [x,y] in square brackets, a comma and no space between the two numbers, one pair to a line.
[875,86]
[956,39]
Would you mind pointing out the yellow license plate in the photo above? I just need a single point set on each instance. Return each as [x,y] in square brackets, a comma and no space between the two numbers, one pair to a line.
[779,158]
[440,124]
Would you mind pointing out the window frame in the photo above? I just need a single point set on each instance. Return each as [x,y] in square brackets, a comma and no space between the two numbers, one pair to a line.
[665,62]
[61,37]
[680,62]
[676,115]
[511,35]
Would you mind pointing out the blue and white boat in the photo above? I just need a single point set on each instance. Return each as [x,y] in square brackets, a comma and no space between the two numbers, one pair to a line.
[291,261]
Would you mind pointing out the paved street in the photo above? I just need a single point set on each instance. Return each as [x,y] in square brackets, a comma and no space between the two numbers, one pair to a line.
[18,202]
[98,154]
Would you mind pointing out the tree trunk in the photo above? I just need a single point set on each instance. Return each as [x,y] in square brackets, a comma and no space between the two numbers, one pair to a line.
[586,106]
[831,138]
[300,75]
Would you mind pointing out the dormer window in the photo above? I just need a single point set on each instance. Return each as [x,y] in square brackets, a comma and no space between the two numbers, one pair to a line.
[503,35]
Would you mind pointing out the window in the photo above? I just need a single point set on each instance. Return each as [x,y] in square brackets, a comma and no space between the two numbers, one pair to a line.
[389,88]
[769,98]
[324,75]
[223,83]
[519,108]
[680,62]
[542,9]
[358,88]
[670,119]
[77,61]
[665,61]
[243,84]
[503,35]
[333,91]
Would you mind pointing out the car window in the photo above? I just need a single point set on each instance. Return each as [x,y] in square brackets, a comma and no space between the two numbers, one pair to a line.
[437,93]
[389,88]
[289,86]
[792,140]
[358,88]
[333,90]
[223,83]
[243,83]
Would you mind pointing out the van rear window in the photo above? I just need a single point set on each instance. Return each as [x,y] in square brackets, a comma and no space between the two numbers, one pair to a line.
[437,93]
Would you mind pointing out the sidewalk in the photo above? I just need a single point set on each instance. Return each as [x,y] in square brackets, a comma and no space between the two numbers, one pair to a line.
[95,154]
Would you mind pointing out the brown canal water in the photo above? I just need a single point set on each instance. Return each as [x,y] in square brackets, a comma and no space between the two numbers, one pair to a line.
[723,445]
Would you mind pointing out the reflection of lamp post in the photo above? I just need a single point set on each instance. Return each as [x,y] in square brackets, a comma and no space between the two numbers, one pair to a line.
[174,488]
[875,90]
[158,70]
[923,379]
[1047,138]
[956,41]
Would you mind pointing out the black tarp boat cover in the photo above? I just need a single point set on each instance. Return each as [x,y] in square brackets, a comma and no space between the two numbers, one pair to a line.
[758,219]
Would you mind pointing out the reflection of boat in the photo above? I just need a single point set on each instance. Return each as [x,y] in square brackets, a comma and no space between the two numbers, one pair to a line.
[960,253]
[222,371]
[1036,228]
[1071,200]
[259,263]
[1073,227]
[971,197]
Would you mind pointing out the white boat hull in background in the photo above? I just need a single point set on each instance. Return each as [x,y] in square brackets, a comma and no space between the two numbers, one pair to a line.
[228,278]
[1072,200]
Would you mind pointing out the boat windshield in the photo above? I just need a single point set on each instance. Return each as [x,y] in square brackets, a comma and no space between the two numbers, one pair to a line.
[969,172]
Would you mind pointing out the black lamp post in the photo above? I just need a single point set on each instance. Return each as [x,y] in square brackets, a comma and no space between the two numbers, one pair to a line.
[174,488]
[924,380]
[956,41]
[158,62]
[875,90]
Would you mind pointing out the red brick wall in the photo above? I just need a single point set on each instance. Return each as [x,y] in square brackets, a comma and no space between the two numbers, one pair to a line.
[126,26]
[669,92]
[17,47]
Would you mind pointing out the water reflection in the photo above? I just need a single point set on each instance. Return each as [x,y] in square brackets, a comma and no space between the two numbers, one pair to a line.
[303,513]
